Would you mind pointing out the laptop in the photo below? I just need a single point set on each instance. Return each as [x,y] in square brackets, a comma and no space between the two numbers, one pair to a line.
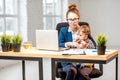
[47,40]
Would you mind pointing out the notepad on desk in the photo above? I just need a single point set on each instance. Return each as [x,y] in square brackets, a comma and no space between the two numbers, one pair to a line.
[94,51]
[73,52]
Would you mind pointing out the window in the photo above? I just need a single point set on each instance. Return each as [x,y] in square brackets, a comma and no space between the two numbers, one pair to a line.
[52,12]
[9,16]
[13,17]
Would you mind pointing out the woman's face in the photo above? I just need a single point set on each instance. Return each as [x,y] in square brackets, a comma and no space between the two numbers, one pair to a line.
[73,20]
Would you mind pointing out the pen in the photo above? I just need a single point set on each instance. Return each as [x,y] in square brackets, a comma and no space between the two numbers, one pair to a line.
[94,50]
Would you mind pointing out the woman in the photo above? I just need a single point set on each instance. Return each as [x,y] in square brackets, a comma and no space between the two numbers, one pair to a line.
[67,38]
[73,18]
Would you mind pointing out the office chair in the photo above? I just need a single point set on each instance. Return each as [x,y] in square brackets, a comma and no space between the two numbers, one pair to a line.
[60,73]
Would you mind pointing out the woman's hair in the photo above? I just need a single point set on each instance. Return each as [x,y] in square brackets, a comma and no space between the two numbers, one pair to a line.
[84,29]
[72,8]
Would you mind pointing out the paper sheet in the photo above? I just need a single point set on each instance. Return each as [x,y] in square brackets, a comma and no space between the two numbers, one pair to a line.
[73,51]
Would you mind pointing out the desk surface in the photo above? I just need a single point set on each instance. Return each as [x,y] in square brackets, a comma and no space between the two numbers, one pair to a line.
[34,53]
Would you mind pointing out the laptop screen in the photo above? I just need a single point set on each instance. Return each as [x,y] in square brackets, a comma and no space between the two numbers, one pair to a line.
[47,39]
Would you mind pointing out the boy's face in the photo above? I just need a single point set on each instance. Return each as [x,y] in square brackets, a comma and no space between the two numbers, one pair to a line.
[82,36]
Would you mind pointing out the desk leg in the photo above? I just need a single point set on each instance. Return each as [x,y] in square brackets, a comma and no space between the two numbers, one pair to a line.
[53,69]
[101,68]
[23,69]
[117,68]
[40,69]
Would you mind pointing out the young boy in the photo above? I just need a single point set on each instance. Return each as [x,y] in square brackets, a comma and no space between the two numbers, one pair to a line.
[85,42]
[82,38]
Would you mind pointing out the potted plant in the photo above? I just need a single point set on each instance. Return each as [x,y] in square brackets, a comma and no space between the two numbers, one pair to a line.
[16,42]
[5,42]
[101,41]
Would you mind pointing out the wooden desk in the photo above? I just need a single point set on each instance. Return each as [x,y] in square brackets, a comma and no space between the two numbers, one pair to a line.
[34,54]
[97,59]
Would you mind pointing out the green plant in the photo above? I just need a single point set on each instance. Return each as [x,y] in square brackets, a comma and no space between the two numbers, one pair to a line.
[5,39]
[101,40]
[17,39]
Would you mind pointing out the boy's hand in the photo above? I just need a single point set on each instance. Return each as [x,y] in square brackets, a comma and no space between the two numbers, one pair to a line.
[86,71]
[78,39]
[85,44]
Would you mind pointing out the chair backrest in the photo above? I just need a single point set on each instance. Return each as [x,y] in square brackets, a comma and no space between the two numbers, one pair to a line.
[65,24]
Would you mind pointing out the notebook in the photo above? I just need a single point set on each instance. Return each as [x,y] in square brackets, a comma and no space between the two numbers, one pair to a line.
[47,39]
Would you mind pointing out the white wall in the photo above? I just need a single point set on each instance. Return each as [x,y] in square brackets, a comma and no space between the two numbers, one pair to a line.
[34,14]
[103,17]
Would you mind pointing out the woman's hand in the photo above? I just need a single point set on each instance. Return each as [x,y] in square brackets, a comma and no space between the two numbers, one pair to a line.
[71,44]
[82,45]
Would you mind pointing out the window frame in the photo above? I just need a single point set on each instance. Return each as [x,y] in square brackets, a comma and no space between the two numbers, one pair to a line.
[5,15]
[53,16]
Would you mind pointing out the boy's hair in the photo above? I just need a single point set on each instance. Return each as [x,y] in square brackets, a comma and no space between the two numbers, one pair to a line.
[84,29]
